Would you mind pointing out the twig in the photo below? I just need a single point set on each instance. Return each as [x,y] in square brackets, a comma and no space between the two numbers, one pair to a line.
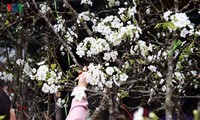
[187,6]
[154,6]
[176,6]
[103,106]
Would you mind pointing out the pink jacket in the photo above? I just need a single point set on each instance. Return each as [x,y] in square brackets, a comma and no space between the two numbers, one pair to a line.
[78,110]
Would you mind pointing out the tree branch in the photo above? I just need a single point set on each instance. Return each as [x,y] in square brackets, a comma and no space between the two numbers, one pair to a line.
[59,37]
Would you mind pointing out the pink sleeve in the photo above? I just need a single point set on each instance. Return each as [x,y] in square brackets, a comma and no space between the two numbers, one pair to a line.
[78,110]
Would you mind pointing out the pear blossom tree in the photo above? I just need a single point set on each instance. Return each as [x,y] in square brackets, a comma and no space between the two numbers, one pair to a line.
[139,54]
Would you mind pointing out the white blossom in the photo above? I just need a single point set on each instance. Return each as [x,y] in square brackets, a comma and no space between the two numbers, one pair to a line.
[159,74]
[106,56]
[131,50]
[109,70]
[50,80]
[148,11]
[96,46]
[143,48]
[94,75]
[123,77]
[6,76]
[60,102]
[53,88]
[179,75]
[27,69]
[184,32]
[34,70]
[138,115]
[20,62]
[41,63]
[85,16]
[194,72]
[150,58]
[163,88]
[112,3]
[180,20]
[132,11]
[89,2]
[126,64]
[121,11]
[45,88]
[110,55]
[41,72]
[152,68]
[166,15]
[44,8]
[162,81]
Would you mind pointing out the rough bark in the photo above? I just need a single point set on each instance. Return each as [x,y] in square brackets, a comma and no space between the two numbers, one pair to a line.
[168,98]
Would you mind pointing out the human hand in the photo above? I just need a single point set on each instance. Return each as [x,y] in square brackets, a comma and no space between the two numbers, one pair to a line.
[12,114]
[81,78]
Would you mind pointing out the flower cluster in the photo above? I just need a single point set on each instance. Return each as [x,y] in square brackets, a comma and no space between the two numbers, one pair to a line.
[27,70]
[110,56]
[85,16]
[60,24]
[179,21]
[50,76]
[68,33]
[52,88]
[88,2]
[127,13]
[6,76]
[10,52]
[114,30]
[44,8]
[142,47]
[101,77]
[112,3]
[91,46]
[61,103]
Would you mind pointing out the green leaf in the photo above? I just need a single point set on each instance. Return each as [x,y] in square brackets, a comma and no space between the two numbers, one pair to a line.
[171,25]
[39,83]
[153,116]
[132,62]
[176,43]
[53,66]
[187,51]
[158,25]
[196,114]
[2,117]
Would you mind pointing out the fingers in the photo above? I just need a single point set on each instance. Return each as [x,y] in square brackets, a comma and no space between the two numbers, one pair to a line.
[81,78]
[83,70]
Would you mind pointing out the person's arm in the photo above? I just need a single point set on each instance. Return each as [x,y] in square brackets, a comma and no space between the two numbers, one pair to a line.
[12,114]
[79,109]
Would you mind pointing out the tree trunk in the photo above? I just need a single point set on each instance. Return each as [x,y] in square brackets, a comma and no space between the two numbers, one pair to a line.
[168,98]
[59,111]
